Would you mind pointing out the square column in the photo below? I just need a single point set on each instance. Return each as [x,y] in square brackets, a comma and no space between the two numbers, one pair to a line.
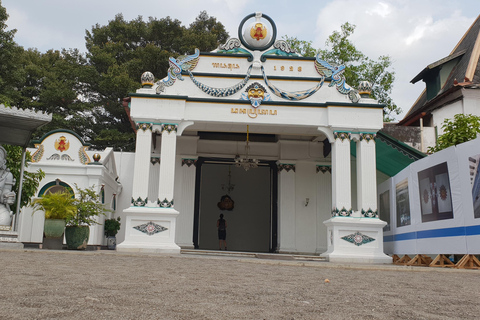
[286,208]
[341,175]
[354,237]
[366,176]
[151,224]
[141,169]
[167,165]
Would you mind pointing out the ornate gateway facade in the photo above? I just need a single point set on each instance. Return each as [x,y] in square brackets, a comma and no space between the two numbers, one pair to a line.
[272,130]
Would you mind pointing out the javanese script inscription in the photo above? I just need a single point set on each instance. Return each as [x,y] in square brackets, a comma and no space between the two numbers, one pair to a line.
[230,66]
[253,113]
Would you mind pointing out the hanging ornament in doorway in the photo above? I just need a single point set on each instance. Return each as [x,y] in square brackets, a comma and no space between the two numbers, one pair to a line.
[228,187]
[226,203]
[246,163]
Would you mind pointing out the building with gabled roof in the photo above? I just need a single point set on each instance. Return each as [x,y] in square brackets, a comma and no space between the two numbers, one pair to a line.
[452,85]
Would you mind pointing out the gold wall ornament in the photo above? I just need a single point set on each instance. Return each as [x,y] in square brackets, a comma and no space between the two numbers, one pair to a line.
[62,144]
[258,32]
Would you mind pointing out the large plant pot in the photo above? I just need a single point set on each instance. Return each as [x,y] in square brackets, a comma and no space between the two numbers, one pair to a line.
[54,228]
[111,242]
[76,237]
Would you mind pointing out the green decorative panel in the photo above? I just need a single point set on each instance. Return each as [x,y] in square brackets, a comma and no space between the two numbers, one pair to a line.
[358,239]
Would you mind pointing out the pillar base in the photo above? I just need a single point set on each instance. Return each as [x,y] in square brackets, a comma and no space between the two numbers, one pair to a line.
[150,230]
[355,240]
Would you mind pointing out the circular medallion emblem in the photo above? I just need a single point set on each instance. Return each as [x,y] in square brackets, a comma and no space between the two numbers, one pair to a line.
[258,35]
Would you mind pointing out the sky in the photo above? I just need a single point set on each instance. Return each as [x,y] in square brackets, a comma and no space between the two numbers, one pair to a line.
[414,33]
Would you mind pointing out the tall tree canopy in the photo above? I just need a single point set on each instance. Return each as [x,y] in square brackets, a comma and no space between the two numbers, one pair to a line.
[84,91]
[9,52]
[341,50]
[122,50]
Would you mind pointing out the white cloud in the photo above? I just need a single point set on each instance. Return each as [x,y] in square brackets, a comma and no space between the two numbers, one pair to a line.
[413,33]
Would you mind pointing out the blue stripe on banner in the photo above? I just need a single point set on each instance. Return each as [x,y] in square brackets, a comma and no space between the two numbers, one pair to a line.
[388,238]
[405,236]
[472,230]
[441,233]
[435,233]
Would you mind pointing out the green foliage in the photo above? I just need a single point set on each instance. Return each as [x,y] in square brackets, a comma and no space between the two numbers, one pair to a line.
[9,53]
[111,227]
[60,205]
[341,50]
[462,128]
[57,82]
[84,92]
[88,206]
[301,46]
[122,50]
[31,180]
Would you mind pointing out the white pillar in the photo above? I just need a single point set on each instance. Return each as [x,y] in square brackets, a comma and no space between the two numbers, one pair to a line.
[341,175]
[367,176]
[324,204]
[167,165]
[352,238]
[185,192]
[152,228]
[141,169]
[286,208]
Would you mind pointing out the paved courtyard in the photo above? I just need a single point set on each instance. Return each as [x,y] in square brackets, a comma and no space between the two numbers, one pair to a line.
[49,284]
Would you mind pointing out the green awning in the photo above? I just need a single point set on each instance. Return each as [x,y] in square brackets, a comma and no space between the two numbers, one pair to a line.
[392,155]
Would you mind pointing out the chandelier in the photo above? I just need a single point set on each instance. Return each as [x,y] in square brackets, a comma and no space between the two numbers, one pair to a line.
[246,163]
[228,187]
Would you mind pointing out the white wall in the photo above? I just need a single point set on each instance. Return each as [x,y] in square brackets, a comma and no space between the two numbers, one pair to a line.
[125,162]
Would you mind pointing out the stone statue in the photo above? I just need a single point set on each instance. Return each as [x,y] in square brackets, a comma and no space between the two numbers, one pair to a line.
[7,196]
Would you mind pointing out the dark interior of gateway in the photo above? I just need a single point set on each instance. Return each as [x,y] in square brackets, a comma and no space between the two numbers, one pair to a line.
[252,222]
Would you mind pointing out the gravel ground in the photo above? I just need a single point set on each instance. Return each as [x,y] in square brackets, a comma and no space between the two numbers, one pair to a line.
[48,284]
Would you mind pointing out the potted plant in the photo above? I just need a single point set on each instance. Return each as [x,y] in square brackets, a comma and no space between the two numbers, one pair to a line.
[58,207]
[88,206]
[111,227]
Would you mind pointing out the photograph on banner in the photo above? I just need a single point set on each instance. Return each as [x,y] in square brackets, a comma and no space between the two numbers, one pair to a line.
[435,195]
[475,181]
[384,207]
[403,204]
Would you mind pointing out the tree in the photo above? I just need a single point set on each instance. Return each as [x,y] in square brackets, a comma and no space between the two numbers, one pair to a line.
[460,129]
[31,180]
[9,52]
[340,50]
[57,82]
[122,50]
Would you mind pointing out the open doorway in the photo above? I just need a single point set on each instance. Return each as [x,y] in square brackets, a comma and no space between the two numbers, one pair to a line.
[252,223]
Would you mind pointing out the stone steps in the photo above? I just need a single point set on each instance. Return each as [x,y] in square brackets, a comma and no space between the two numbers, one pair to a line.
[273,256]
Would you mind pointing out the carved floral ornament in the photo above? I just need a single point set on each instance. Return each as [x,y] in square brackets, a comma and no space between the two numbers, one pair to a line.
[143,126]
[165,203]
[286,166]
[367,137]
[341,212]
[370,213]
[342,135]
[189,162]
[139,202]
[324,169]
[168,127]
